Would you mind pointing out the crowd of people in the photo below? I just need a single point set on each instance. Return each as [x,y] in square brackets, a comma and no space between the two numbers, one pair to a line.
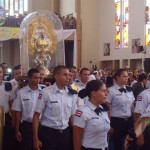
[81,109]
[68,22]
[14,21]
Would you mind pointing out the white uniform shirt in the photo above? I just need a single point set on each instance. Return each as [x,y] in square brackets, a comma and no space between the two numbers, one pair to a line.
[143,103]
[95,126]
[92,77]
[5,96]
[25,102]
[148,84]
[120,102]
[14,83]
[15,86]
[56,107]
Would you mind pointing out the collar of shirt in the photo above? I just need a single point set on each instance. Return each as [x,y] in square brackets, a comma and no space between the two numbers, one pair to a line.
[13,80]
[91,106]
[80,83]
[28,89]
[56,89]
[118,87]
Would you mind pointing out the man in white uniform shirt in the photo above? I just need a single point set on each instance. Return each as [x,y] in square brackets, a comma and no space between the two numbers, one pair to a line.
[16,75]
[57,106]
[84,78]
[24,106]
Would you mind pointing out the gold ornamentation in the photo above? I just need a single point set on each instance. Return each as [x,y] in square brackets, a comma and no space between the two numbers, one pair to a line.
[38,27]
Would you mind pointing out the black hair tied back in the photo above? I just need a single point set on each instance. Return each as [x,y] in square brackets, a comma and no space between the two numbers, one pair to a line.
[83,93]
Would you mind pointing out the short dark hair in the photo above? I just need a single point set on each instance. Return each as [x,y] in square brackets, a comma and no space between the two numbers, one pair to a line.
[119,72]
[142,77]
[71,68]
[32,71]
[58,69]
[3,63]
[84,69]
[17,67]
[91,86]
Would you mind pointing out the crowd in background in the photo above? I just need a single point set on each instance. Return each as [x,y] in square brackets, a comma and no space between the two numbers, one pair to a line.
[68,22]
[72,108]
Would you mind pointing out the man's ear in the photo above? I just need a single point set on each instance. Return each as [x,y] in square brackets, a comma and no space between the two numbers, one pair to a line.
[56,76]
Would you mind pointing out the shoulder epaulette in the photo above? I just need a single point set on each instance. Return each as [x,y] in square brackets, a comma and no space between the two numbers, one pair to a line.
[77,81]
[42,86]
[8,86]
[72,91]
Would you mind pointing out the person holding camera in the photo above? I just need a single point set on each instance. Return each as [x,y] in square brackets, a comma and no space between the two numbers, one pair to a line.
[6,97]
[6,73]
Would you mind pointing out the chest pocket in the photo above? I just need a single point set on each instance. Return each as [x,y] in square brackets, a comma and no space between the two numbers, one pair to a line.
[119,100]
[55,108]
[26,100]
[68,109]
[95,122]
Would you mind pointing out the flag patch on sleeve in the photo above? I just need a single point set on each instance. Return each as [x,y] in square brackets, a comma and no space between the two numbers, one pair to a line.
[40,96]
[78,113]
[139,98]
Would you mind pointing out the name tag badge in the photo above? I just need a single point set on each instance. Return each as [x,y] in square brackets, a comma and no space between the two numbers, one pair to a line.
[26,99]
[118,94]
[54,101]
[95,118]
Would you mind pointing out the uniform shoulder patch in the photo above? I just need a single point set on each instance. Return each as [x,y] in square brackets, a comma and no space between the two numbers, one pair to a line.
[78,113]
[40,96]
[72,91]
[139,98]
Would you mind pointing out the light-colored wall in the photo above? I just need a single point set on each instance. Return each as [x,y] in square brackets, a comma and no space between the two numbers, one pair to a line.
[136,30]
[36,5]
[67,7]
[98,27]
[107,28]
[90,32]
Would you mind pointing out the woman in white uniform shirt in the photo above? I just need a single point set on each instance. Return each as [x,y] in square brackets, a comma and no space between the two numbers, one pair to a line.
[91,122]
[121,100]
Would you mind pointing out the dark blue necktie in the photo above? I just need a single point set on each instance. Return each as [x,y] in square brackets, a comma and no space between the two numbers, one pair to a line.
[122,90]
[98,110]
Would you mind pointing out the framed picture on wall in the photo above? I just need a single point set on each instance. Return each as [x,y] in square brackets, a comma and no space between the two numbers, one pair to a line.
[135,45]
[106,49]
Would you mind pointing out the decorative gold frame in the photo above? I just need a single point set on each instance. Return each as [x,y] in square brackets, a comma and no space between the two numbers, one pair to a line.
[45,24]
